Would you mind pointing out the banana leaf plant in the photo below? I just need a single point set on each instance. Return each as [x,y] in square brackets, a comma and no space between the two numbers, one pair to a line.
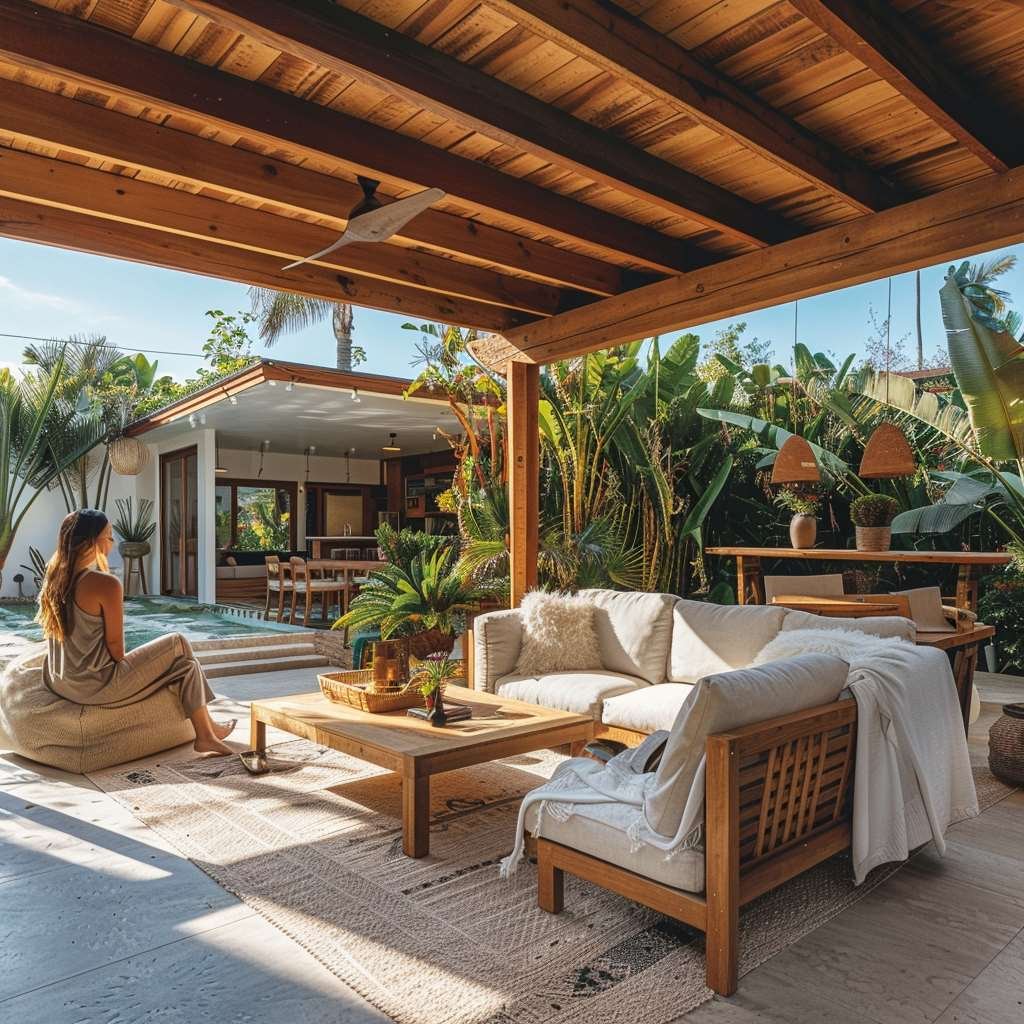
[31,416]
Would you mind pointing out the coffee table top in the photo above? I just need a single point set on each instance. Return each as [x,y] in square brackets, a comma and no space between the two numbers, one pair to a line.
[495,720]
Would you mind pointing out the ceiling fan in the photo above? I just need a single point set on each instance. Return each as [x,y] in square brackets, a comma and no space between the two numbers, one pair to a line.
[371,221]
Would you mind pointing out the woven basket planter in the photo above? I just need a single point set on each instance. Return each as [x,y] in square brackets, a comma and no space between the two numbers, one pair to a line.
[873,538]
[128,455]
[1006,745]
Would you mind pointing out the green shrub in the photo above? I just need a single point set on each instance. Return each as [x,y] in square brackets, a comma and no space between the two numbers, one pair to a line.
[1002,606]
[873,510]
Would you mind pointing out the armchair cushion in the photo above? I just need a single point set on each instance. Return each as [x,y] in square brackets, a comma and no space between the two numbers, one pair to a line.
[646,710]
[634,631]
[711,638]
[874,625]
[581,693]
[730,700]
[601,831]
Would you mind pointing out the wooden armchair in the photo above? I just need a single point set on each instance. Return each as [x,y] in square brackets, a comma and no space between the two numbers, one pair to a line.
[778,801]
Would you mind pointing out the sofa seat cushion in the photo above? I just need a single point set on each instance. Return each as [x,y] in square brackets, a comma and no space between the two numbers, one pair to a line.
[581,693]
[634,630]
[601,831]
[712,638]
[646,710]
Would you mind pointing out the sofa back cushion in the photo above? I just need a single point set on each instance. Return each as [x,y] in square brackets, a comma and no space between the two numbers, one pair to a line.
[634,631]
[558,634]
[875,625]
[731,700]
[710,638]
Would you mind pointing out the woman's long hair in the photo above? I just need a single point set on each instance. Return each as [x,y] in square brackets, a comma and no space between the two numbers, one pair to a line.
[78,532]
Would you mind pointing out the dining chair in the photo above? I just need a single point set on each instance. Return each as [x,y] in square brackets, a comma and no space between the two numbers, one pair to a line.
[314,578]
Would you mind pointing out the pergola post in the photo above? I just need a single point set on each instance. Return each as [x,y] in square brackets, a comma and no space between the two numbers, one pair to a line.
[523,477]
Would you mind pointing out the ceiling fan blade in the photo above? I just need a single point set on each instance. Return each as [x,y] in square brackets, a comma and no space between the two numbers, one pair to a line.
[345,239]
[380,224]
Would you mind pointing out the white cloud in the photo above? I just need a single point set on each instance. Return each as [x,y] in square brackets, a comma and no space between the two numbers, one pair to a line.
[33,298]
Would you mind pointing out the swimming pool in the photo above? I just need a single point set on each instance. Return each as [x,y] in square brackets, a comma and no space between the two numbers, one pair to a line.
[148,617]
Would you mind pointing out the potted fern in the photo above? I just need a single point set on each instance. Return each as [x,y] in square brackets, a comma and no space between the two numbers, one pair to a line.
[803,527]
[872,516]
[135,528]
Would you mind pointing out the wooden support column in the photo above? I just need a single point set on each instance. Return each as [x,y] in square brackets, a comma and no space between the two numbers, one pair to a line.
[523,477]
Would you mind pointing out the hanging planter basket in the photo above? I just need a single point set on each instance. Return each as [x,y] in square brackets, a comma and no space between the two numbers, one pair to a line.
[128,455]
[888,454]
[795,463]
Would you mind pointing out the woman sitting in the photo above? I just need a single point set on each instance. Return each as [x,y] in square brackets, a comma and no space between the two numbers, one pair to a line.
[81,610]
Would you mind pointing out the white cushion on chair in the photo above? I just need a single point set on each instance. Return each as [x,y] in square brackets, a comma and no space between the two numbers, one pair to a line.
[646,710]
[600,830]
[710,638]
[731,700]
[581,693]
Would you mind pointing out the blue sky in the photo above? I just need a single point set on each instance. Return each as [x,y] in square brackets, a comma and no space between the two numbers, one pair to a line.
[56,293]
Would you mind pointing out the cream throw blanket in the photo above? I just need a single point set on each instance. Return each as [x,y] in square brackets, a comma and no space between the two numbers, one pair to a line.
[913,774]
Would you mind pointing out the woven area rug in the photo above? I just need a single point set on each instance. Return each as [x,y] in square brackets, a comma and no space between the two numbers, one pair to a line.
[315,848]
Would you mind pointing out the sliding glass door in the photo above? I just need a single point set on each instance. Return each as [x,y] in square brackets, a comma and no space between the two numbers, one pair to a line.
[179,523]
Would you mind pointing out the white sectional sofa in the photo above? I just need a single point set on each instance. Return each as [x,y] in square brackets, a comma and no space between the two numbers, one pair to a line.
[653,649]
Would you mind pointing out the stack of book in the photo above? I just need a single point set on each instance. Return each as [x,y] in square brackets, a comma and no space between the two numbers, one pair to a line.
[452,712]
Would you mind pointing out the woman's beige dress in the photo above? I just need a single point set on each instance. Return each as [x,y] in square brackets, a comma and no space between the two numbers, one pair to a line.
[80,668]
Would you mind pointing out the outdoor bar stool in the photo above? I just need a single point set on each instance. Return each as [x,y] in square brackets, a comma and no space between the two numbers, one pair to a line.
[309,579]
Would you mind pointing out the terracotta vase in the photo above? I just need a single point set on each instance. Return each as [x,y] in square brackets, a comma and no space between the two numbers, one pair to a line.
[873,538]
[803,531]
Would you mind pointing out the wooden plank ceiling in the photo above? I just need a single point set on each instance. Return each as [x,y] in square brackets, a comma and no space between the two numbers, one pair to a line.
[587,149]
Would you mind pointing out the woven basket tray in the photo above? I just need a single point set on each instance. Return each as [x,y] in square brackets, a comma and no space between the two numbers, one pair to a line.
[353,688]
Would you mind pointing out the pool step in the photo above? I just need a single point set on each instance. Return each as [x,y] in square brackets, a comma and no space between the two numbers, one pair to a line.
[252,638]
[255,652]
[241,668]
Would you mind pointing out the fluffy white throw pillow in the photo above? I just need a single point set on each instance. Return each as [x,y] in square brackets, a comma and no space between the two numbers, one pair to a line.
[558,634]
[840,643]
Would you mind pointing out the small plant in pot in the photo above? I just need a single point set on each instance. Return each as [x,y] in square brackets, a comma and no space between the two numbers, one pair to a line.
[872,516]
[432,675]
[803,527]
[135,528]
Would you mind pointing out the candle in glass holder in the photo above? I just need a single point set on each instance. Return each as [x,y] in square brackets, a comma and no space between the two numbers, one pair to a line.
[392,675]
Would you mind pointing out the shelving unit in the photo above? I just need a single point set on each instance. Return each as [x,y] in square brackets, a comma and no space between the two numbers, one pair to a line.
[420,501]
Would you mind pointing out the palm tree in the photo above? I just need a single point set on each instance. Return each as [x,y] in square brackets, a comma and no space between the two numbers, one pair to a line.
[281,312]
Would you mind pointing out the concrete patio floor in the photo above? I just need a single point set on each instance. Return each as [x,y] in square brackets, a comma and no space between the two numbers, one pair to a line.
[101,921]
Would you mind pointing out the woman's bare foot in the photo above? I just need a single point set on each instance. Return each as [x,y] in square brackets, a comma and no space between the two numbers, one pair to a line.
[222,732]
[211,745]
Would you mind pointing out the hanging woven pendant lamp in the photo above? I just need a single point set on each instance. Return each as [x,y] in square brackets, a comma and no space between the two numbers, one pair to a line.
[795,463]
[888,454]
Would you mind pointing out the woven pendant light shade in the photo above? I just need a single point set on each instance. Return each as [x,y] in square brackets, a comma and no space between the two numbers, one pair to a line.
[795,463]
[128,455]
[888,454]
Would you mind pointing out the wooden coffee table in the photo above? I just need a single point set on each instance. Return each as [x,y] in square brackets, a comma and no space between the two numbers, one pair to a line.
[413,748]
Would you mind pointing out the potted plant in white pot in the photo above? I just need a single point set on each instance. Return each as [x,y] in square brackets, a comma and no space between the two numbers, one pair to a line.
[872,516]
[803,527]
[135,529]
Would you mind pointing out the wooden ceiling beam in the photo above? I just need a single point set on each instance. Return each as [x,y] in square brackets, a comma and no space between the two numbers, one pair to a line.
[76,50]
[330,36]
[102,134]
[69,229]
[880,38]
[99,193]
[984,214]
[615,41]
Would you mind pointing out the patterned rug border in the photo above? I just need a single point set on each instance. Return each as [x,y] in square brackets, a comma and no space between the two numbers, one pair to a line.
[755,949]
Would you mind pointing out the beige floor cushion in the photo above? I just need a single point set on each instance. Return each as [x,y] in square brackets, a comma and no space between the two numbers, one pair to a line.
[646,710]
[600,830]
[36,723]
[634,631]
[709,638]
[582,693]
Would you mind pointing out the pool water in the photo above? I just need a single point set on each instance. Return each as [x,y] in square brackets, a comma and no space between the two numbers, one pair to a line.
[145,618]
